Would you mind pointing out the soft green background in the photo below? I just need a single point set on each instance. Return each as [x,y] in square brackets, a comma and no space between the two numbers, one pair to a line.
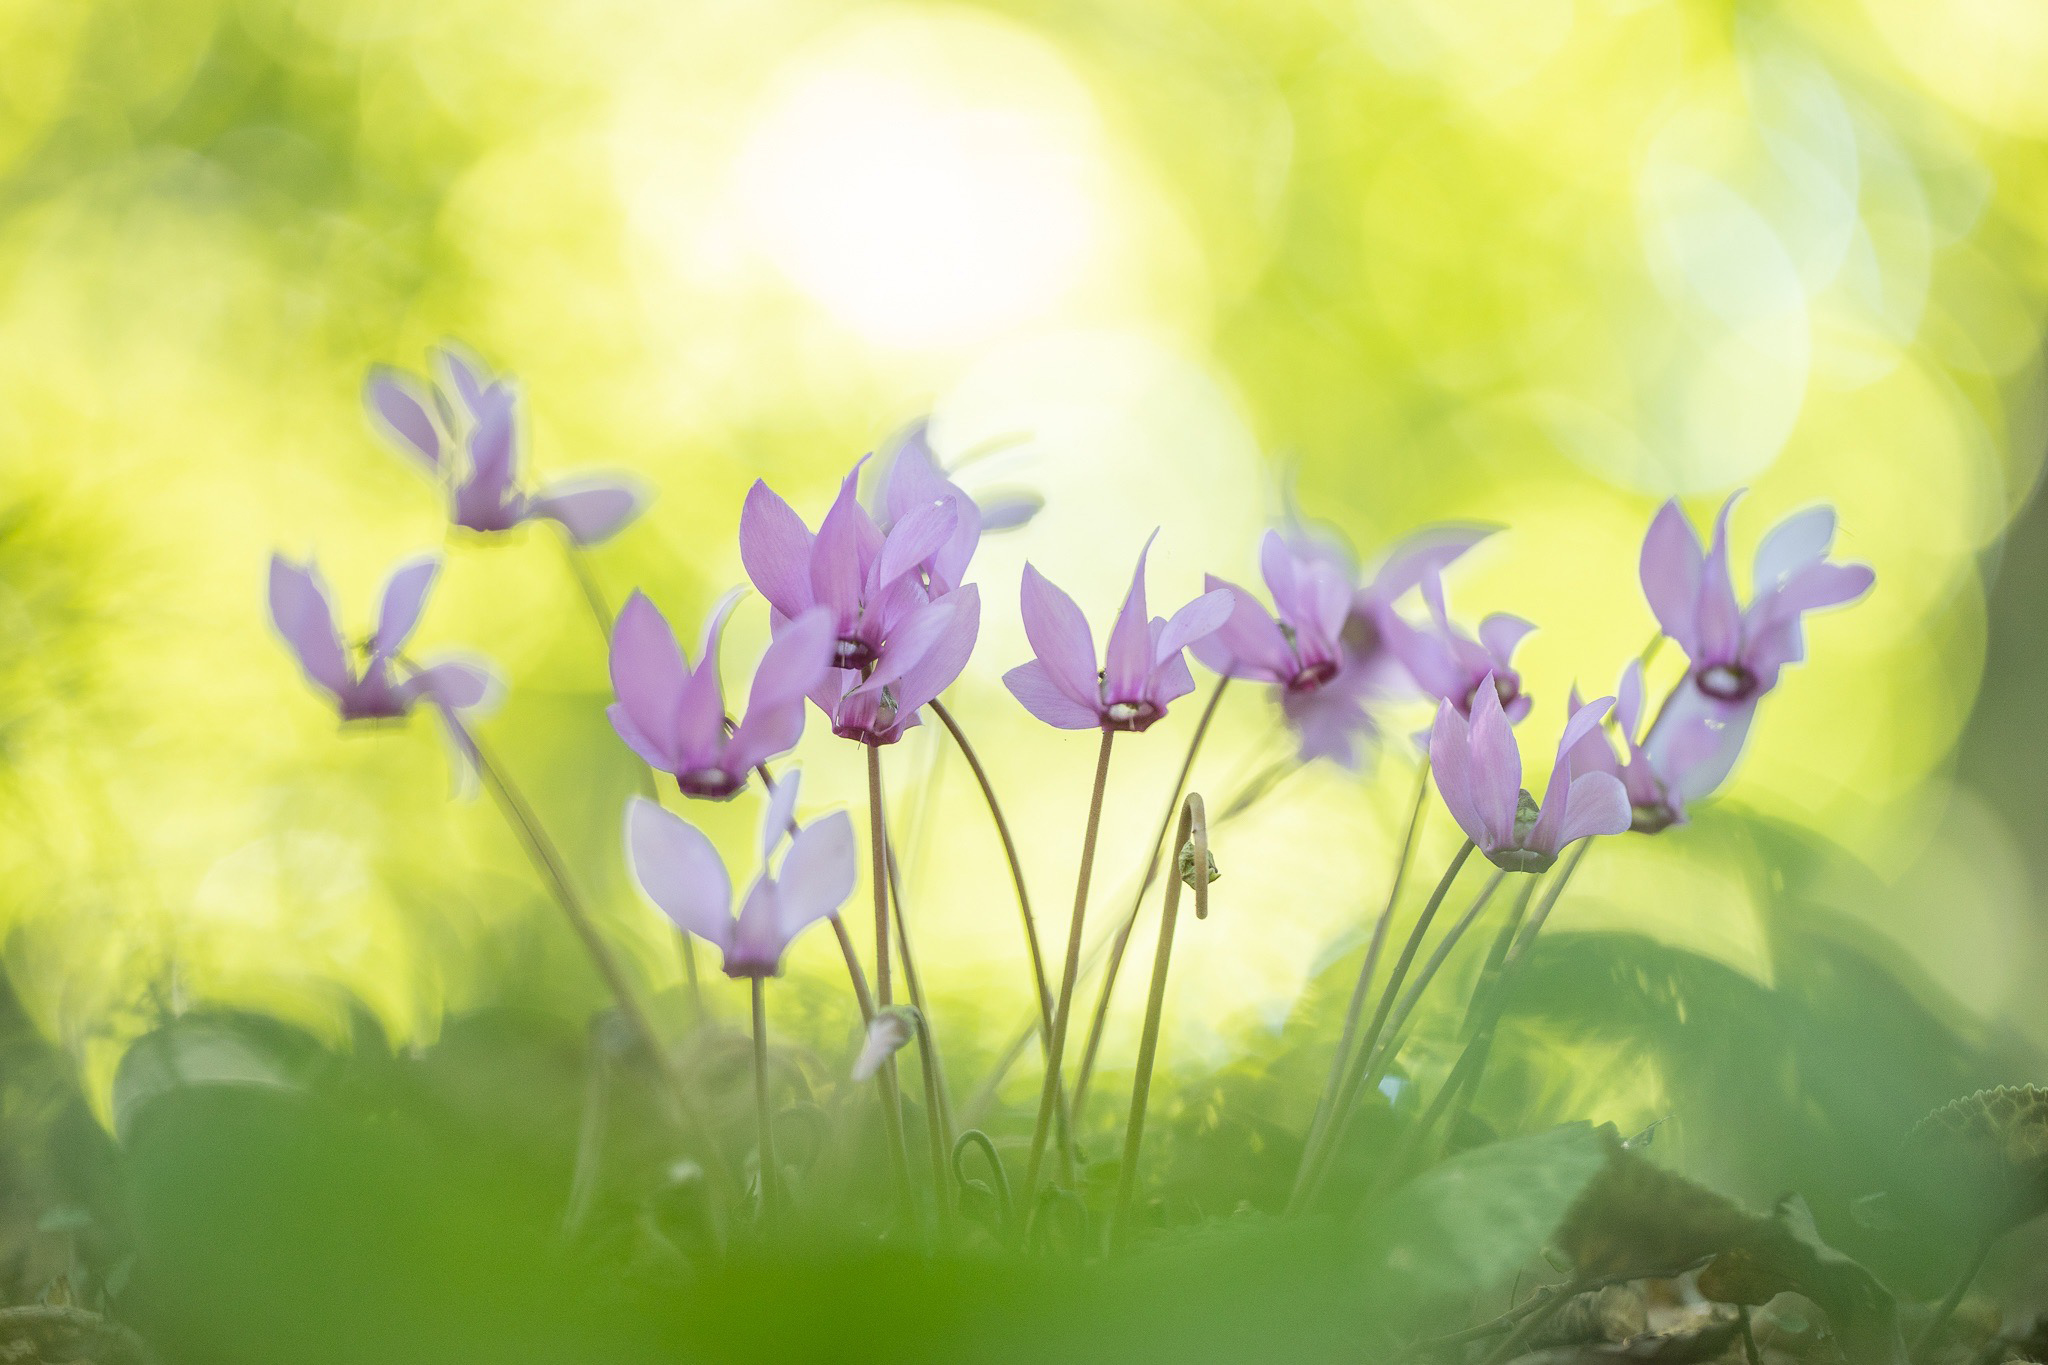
[1541,263]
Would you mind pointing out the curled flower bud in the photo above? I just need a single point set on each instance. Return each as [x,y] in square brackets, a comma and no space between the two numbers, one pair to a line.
[889,1032]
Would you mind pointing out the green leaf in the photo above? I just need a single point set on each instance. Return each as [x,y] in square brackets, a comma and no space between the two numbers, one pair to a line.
[1475,1219]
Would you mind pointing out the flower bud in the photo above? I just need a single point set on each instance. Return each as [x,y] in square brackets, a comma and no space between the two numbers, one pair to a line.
[889,1032]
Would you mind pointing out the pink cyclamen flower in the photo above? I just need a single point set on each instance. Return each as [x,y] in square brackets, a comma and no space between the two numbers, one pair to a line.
[1736,653]
[1143,670]
[903,627]
[1450,665]
[1684,758]
[1323,645]
[672,713]
[471,443]
[1478,769]
[681,872]
[303,613]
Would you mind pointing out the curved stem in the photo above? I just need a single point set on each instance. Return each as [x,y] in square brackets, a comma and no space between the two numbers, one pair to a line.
[940,1118]
[974,1137]
[1122,939]
[1315,1160]
[771,1174]
[1064,1005]
[935,1108]
[593,596]
[541,851]
[1193,832]
[892,1098]
[995,812]
[1354,1013]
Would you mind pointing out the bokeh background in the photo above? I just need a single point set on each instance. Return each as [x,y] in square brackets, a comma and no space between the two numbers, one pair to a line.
[1541,264]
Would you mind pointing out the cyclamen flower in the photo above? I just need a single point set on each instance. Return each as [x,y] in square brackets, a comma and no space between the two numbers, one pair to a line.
[303,613]
[1143,669]
[903,627]
[912,477]
[672,714]
[1682,760]
[481,423]
[1450,665]
[682,874]
[1324,643]
[1478,769]
[1736,653]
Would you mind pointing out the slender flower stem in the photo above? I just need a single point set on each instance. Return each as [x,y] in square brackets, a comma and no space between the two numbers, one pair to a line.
[1123,933]
[995,812]
[771,1173]
[1193,833]
[935,1107]
[1924,1344]
[1315,1160]
[1390,1046]
[1354,1013]
[940,1119]
[547,860]
[1750,1353]
[1549,903]
[892,1098]
[586,582]
[1064,1005]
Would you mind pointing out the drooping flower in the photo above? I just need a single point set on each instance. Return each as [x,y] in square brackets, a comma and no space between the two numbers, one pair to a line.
[916,663]
[672,713]
[889,1032]
[1736,653]
[1448,664]
[303,612]
[1143,669]
[1478,770]
[683,875]
[1683,759]
[1323,646]
[903,627]
[470,444]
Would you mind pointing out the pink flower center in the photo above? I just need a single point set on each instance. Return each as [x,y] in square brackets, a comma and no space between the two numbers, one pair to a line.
[1727,682]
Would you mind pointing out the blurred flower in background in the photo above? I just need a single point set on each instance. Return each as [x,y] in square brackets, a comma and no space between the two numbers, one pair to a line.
[1541,269]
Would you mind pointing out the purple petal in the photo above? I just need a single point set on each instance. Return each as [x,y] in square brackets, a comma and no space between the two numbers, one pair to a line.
[794,660]
[1033,685]
[1719,623]
[1008,511]
[916,538]
[907,646]
[304,616]
[838,566]
[1584,725]
[1198,620]
[1799,540]
[1128,657]
[493,453]
[911,476]
[942,662]
[1248,644]
[1171,680]
[1060,638]
[1670,570]
[1282,576]
[1450,763]
[1424,555]
[680,871]
[775,547]
[1596,803]
[817,874]
[1496,771]
[1500,634]
[1628,702]
[779,815]
[405,592]
[456,685]
[590,510]
[465,373]
[652,754]
[647,677]
[396,403]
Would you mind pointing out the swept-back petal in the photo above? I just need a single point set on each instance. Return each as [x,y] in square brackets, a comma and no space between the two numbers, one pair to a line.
[1032,684]
[1496,766]
[1128,658]
[1198,620]
[464,372]
[1582,729]
[680,871]
[778,816]
[839,564]
[794,660]
[942,662]
[817,873]
[493,446]
[1628,701]
[1450,763]
[453,684]
[1060,638]
[1501,634]
[1424,555]
[1719,624]
[775,547]
[1799,540]
[647,677]
[304,616]
[590,510]
[1670,569]
[405,593]
[398,404]
[916,538]
[1249,643]
[1596,803]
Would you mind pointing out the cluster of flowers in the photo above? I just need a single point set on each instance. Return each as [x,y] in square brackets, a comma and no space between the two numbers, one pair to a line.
[872,619]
